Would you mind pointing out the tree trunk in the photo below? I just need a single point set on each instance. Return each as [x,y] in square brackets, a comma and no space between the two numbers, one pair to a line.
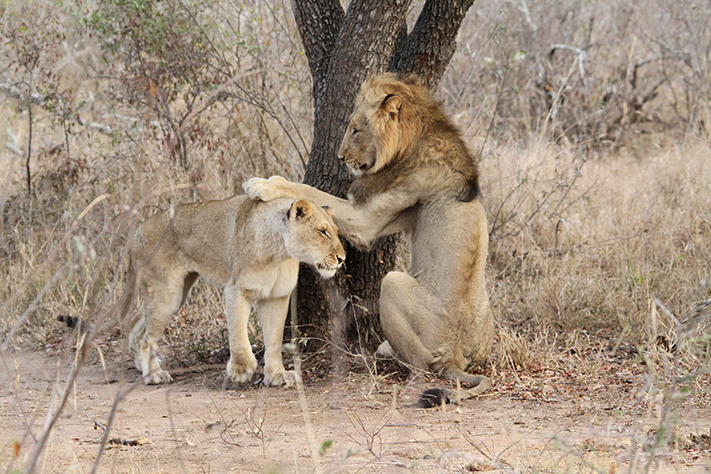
[342,49]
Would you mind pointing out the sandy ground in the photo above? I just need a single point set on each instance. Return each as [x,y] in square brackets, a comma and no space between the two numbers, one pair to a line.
[200,423]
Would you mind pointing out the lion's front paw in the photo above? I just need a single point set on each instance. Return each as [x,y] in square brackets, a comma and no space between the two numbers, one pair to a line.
[386,350]
[265,189]
[157,378]
[241,372]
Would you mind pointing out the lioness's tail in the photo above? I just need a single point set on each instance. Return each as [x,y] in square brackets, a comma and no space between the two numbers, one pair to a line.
[129,294]
[125,302]
[434,397]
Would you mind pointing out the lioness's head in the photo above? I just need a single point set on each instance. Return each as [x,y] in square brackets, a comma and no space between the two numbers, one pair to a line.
[385,120]
[313,237]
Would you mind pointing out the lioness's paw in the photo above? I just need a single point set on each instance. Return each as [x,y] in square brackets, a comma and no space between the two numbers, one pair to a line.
[281,377]
[241,372]
[264,189]
[157,378]
[291,377]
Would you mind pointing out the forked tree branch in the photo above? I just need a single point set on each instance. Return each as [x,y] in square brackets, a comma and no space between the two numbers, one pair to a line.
[364,45]
[366,37]
[432,42]
[319,23]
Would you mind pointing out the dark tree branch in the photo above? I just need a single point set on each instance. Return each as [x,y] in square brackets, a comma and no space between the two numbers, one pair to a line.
[399,48]
[432,42]
[29,138]
[363,43]
[319,22]
[364,46]
[342,49]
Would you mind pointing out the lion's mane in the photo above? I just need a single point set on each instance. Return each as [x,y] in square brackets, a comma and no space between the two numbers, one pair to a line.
[411,131]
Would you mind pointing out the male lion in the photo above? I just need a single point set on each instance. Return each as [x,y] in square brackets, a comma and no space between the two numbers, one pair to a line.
[251,249]
[414,174]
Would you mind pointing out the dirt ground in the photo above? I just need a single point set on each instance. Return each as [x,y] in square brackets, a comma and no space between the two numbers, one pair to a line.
[545,422]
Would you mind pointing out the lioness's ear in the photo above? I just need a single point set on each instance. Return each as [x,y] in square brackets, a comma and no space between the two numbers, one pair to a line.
[328,210]
[301,209]
[391,105]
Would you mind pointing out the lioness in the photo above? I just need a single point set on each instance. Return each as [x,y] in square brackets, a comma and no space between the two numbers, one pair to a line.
[251,249]
[414,174]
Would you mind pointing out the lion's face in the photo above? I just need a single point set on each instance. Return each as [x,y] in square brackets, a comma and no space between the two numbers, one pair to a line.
[374,131]
[358,148]
[313,238]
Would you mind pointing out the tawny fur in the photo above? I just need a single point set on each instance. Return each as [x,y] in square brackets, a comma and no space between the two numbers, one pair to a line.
[250,249]
[416,175]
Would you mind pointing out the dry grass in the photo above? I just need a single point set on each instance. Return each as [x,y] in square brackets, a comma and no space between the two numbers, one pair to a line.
[590,240]
[599,205]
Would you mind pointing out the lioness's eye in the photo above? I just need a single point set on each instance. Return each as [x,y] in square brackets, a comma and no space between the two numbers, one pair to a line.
[323,232]
[355,131]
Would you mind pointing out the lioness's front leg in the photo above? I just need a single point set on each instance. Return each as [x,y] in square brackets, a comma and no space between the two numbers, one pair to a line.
[242,362]
[272,315]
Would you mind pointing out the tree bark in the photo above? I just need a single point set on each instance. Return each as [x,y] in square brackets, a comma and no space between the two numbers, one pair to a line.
[432,42]
[342,49]
[319,23]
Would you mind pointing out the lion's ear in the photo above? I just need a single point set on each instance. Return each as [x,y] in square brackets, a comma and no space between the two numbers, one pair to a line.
[328,209]
[391,105]
[301,209]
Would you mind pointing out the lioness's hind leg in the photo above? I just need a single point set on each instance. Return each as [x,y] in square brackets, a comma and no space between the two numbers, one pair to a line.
[242,363]
[272,315]
[407,315]
[161,302]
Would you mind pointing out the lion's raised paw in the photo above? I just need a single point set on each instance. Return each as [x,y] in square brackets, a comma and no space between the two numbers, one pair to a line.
[265,189]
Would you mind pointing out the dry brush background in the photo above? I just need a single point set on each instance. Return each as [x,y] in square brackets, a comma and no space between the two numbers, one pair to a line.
[591,118]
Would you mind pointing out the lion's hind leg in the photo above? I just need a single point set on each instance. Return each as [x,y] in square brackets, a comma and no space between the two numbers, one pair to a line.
[409,319]
[145,355]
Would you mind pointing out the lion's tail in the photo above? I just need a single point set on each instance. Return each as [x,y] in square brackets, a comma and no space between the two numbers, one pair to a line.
[434,397]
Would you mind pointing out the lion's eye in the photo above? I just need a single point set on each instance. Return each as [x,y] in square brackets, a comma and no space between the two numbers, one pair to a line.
[355,131]
[323,232]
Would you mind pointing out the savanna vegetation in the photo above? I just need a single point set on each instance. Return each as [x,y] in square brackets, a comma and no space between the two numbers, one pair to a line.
[591,120]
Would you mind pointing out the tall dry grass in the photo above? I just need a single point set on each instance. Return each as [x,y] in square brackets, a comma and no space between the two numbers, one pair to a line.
[588,241]
[584,235]
[62,248]
[595,168]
